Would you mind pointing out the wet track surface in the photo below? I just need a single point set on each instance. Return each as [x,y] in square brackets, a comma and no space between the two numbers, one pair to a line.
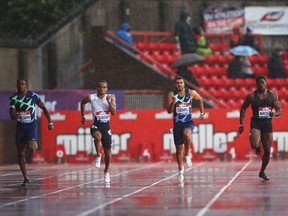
[209,188]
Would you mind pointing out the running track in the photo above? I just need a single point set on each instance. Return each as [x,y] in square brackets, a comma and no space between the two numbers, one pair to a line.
[209,188]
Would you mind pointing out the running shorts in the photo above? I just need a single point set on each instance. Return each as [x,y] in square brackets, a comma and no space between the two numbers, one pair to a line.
[178,131]
[26,132]
[104,129]
[265,126]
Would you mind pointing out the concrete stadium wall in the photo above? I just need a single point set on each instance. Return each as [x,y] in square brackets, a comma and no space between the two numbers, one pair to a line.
[66,50]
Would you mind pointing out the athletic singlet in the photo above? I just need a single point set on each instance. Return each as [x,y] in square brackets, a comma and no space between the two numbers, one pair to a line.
[261,108]
[100,108]
[182,107]
[25,106]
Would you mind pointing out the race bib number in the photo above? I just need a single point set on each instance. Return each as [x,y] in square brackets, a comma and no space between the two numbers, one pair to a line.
[24,117]
[102,116]
[264,112]
[183,108]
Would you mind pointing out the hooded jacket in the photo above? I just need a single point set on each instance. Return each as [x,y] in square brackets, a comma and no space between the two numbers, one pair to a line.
[124,34]
[184,31]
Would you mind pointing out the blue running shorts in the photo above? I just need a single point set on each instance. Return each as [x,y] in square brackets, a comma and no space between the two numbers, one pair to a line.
[26,132]
[179,129]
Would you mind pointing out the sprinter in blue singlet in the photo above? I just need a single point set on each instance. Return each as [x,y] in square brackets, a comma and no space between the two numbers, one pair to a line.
[22,107]
[179,103]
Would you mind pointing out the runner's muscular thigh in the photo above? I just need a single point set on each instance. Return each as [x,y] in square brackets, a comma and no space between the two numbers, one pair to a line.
[267,139]
[32,145]
[97,135]
[255,138]
[187,132]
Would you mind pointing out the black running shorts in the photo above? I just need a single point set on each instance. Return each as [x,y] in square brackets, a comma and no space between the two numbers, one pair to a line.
[265,126]
[104,129]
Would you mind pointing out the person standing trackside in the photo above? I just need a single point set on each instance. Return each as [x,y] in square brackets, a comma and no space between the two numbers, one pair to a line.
[179,102]
[22,108]
[265,105]
[102,105]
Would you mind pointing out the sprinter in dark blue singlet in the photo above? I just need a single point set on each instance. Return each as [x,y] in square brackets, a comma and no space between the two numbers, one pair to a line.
[22,107]
[179,103]
[265,105]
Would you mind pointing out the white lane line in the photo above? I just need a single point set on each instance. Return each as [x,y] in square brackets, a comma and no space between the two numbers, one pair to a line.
[209,204]
[52,176]
[93,210]
[31,169]
[73,187]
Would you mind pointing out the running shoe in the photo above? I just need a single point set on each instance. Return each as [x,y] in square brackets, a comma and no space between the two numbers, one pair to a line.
[106,177]
[98,161]
[188,161]
[264,176]
[181,175]
[258,151]
[25,182]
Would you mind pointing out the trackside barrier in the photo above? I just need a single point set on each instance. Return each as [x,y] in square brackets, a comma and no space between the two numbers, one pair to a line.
[146,136]
[38,157]
[60,154]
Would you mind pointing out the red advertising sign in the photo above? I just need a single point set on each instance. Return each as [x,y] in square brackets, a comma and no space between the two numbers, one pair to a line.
[146,135]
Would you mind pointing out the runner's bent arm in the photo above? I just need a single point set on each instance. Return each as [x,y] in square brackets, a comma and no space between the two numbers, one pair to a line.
[112,104]
[170,102]
[47,115]
[245,105]
[196,96]
[84,101]
[13,113]
[277,106]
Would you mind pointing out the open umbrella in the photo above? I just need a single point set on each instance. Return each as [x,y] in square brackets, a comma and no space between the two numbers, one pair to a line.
[188,60]
[243,51]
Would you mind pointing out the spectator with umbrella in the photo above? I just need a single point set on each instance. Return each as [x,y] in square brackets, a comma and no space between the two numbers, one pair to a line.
[182,63]
[239,66]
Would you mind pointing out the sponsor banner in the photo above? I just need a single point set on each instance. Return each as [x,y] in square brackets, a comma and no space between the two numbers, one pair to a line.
[267,20]
[147,135]
[56,100]
[222,19]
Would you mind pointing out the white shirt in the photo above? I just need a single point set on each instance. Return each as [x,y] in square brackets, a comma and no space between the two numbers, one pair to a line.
[100,108]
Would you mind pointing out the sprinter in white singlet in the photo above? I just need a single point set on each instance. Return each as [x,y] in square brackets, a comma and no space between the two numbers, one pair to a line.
[102,105]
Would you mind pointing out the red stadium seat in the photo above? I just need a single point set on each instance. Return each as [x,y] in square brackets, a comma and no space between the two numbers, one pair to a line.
[260,70]
[254,60]
[280,82]
[263,59]
[142,46]
[220,60]
[223,71]
[219,47]
[209,71]
[250,82]
[154,47]
[170,47]
[239,82]
[211,60]
[213,46]
[230,82]
[263,71]
[224,47]
[196,70]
